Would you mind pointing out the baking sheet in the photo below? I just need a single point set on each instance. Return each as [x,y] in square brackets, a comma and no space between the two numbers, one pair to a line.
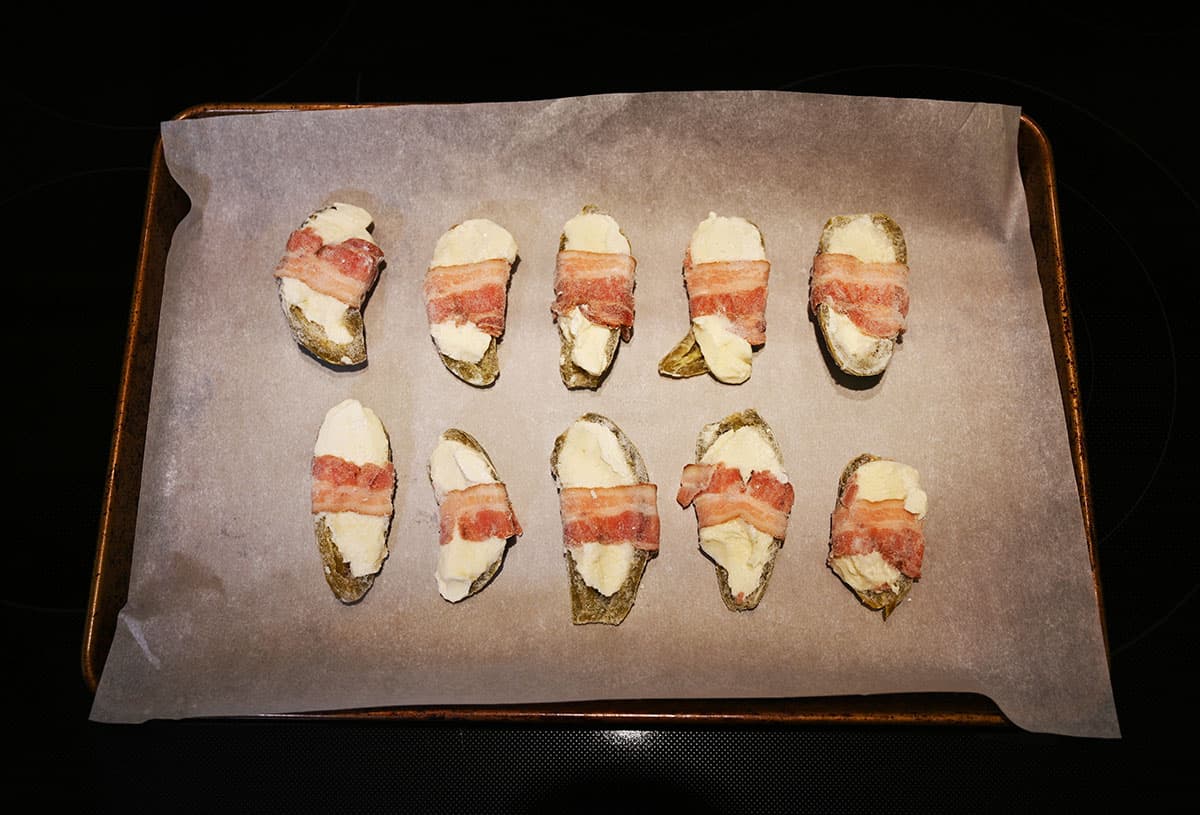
[228,613]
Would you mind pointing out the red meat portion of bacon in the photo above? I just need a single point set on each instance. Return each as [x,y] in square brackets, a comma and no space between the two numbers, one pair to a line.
[736,289]
[860,527]
[471,292]
[477,513]
[627,514]
[600,284]
[345,271]
[343,486]
[873,295]
[719,495]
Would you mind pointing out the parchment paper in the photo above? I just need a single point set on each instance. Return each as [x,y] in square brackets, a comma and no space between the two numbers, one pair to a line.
[228,612]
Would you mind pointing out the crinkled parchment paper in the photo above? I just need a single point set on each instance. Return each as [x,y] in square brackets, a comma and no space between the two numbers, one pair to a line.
[228,612]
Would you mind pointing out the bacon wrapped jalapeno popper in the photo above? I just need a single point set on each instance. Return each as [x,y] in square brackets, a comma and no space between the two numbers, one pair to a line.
[877,537]
[476,522]
[858,291]
[609,517]
[466,297]
[324,277]
[353,481]
[725,270]
[593,296]
[743,500]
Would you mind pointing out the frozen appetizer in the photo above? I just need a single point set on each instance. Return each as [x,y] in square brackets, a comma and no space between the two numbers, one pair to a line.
[877,539]
[328,270]
[475,517]
[742,499]
[725,270]
[858,291]
[609,518]
[466,297]
[593,296]
[353,481]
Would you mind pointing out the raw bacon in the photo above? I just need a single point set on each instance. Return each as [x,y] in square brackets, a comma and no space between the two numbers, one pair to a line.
[477,513]
[345,271]
[736,289]
[472,292]
[873,295]
[339,485]
[860,527]
[719,495]
[600,284]
[626,514]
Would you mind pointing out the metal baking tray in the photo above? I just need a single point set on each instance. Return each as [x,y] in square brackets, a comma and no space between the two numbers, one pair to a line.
[166,206]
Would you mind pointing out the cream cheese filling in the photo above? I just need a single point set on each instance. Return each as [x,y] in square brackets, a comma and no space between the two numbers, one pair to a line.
[726,354]
[465,342]
[327,312]
[742,551]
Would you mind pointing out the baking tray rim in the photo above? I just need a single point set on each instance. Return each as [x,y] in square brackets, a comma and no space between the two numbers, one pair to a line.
[110,573]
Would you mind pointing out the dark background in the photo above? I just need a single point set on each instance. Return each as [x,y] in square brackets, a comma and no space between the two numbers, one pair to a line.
[1116,96]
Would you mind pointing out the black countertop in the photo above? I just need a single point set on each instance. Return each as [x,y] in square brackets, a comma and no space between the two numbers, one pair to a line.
[1115,97]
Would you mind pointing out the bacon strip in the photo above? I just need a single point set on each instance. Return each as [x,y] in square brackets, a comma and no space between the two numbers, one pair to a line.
[873,295]
[345,271]
[600,284]
[343,486]
[719,495]
[472,292]
[860,527]
[736,289]
[477,513]
[627,514]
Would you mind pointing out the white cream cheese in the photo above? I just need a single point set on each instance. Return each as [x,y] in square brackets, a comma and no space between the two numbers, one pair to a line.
[603,566]
[746,449]
[594,232]
[590,349]
[362,539]
[885,480]
[723,238]
[327,312]
[592,456]
[845,335]
[726,354]
[741,549]
[864,239]
[474,241]
[466,342]
[461,562]
[354,433]
[339,222]
[455,466]
[868,572]
[471,241]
